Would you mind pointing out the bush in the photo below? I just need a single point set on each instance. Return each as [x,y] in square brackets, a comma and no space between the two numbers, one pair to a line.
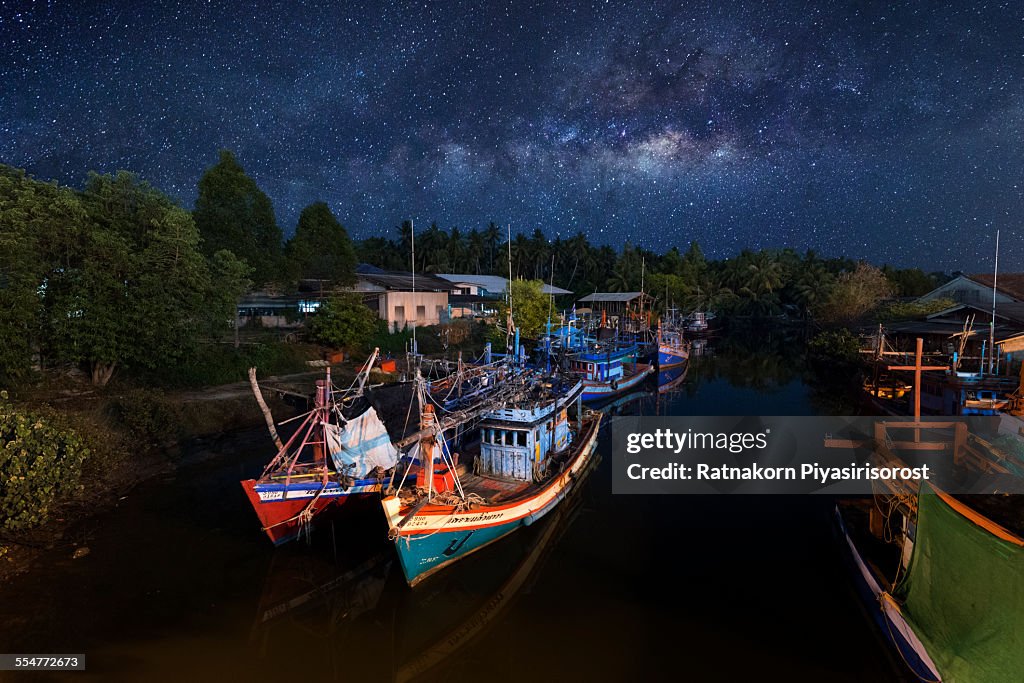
[40,459]
[911,310]
[841,345]
[148,416]
[344,322]
[224,364]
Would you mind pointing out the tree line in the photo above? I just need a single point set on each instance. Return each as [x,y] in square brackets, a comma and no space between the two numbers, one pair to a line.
[117,273]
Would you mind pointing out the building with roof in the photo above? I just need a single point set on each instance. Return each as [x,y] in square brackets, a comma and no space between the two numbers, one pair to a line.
[977,289]
[478,295]
[404,299]
[616,304]
[489,286]
[971,311]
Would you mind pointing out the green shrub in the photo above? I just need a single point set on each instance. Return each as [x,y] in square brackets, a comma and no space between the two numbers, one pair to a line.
[149,417]
[40,459]
[911,310]
[839,344]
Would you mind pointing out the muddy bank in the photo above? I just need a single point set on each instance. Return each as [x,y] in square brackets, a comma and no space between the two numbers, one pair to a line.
[137,434]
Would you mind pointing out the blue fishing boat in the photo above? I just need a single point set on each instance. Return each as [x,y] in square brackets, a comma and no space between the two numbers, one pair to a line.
[530,457]
[608,370]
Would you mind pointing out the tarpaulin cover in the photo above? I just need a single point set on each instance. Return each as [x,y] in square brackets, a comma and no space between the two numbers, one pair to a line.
[964,595]
[362,445]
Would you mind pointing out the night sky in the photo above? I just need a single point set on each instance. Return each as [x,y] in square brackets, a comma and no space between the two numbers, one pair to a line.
[858,129]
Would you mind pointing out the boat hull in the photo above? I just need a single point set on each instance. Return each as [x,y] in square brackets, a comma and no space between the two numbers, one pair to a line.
[286,510]
[594,390]
[883,610]
[438,536]
[670,357]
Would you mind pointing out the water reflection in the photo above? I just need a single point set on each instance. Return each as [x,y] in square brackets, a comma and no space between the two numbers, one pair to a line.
[311,601]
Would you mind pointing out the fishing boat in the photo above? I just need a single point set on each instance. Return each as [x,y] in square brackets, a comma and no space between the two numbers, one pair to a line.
[338,453]
[699,322]
[608,370]
[887,387]
[941,575]
[529,459]
[673,349]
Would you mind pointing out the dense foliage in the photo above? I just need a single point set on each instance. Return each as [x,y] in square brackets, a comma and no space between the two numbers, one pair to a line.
[39,461]
[321,248]
[233,213]
[344,321]
[108,276]
[530,307]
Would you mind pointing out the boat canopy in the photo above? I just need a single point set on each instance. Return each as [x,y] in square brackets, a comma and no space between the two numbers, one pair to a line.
[964,591]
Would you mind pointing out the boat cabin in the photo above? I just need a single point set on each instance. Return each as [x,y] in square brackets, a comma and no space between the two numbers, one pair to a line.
[512,450]
[601,367]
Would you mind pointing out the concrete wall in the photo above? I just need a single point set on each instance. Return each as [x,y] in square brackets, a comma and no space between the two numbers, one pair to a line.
[406,308]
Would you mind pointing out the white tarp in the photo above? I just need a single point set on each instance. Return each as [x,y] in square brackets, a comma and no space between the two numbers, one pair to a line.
[364,442]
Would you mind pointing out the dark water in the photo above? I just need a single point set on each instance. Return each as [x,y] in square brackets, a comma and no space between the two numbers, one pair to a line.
[180,584]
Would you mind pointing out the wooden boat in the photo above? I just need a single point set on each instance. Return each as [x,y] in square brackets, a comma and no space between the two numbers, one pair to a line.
[608,371]
[300,485]
[342,452]
[887,387]
[529,459]
[673,349]
[942,576]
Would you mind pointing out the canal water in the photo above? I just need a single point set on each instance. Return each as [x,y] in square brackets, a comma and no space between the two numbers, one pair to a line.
[180,584]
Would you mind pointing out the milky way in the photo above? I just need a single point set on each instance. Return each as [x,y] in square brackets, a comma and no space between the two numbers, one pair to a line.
[854,128]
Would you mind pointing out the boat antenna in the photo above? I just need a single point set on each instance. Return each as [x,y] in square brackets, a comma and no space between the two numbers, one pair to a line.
[992,323]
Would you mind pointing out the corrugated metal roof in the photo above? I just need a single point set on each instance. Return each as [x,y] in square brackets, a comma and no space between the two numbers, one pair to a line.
[495,284]
[397,281]
[612,296]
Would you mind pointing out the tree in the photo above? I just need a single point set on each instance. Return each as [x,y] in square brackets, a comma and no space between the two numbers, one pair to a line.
[39,226]
[529,306]
[232,213]
[344,321]
[854,295]
[133,285]
[321,248]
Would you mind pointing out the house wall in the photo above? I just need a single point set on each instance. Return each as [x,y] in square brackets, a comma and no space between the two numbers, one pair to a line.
[401,308]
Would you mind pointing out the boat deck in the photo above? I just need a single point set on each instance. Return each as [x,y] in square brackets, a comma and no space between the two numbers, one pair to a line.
[492,490]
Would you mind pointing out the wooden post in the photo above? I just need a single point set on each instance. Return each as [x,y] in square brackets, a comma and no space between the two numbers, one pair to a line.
[917,367]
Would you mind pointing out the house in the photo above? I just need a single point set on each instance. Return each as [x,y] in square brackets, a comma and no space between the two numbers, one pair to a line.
[977,289]
[271,309]
[404,299]
[972,308]
[477,295]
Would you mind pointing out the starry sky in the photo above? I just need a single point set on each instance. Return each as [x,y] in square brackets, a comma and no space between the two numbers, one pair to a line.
[883,130]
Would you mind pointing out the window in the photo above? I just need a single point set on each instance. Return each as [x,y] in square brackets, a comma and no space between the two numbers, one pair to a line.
[400,312]
[421,312]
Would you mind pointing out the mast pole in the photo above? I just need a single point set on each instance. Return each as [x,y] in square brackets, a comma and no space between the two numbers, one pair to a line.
[992,323]
[412,237]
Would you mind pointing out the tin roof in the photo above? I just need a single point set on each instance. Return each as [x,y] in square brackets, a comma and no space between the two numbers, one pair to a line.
[612,296]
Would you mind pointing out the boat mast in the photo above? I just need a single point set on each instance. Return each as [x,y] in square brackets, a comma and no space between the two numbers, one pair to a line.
[511,320]
[992,323]
[412,239]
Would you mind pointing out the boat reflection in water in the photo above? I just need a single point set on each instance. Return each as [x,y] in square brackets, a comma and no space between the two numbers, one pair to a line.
[364,623]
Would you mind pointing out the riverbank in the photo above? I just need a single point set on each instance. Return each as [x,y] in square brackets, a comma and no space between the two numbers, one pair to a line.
[136,434]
